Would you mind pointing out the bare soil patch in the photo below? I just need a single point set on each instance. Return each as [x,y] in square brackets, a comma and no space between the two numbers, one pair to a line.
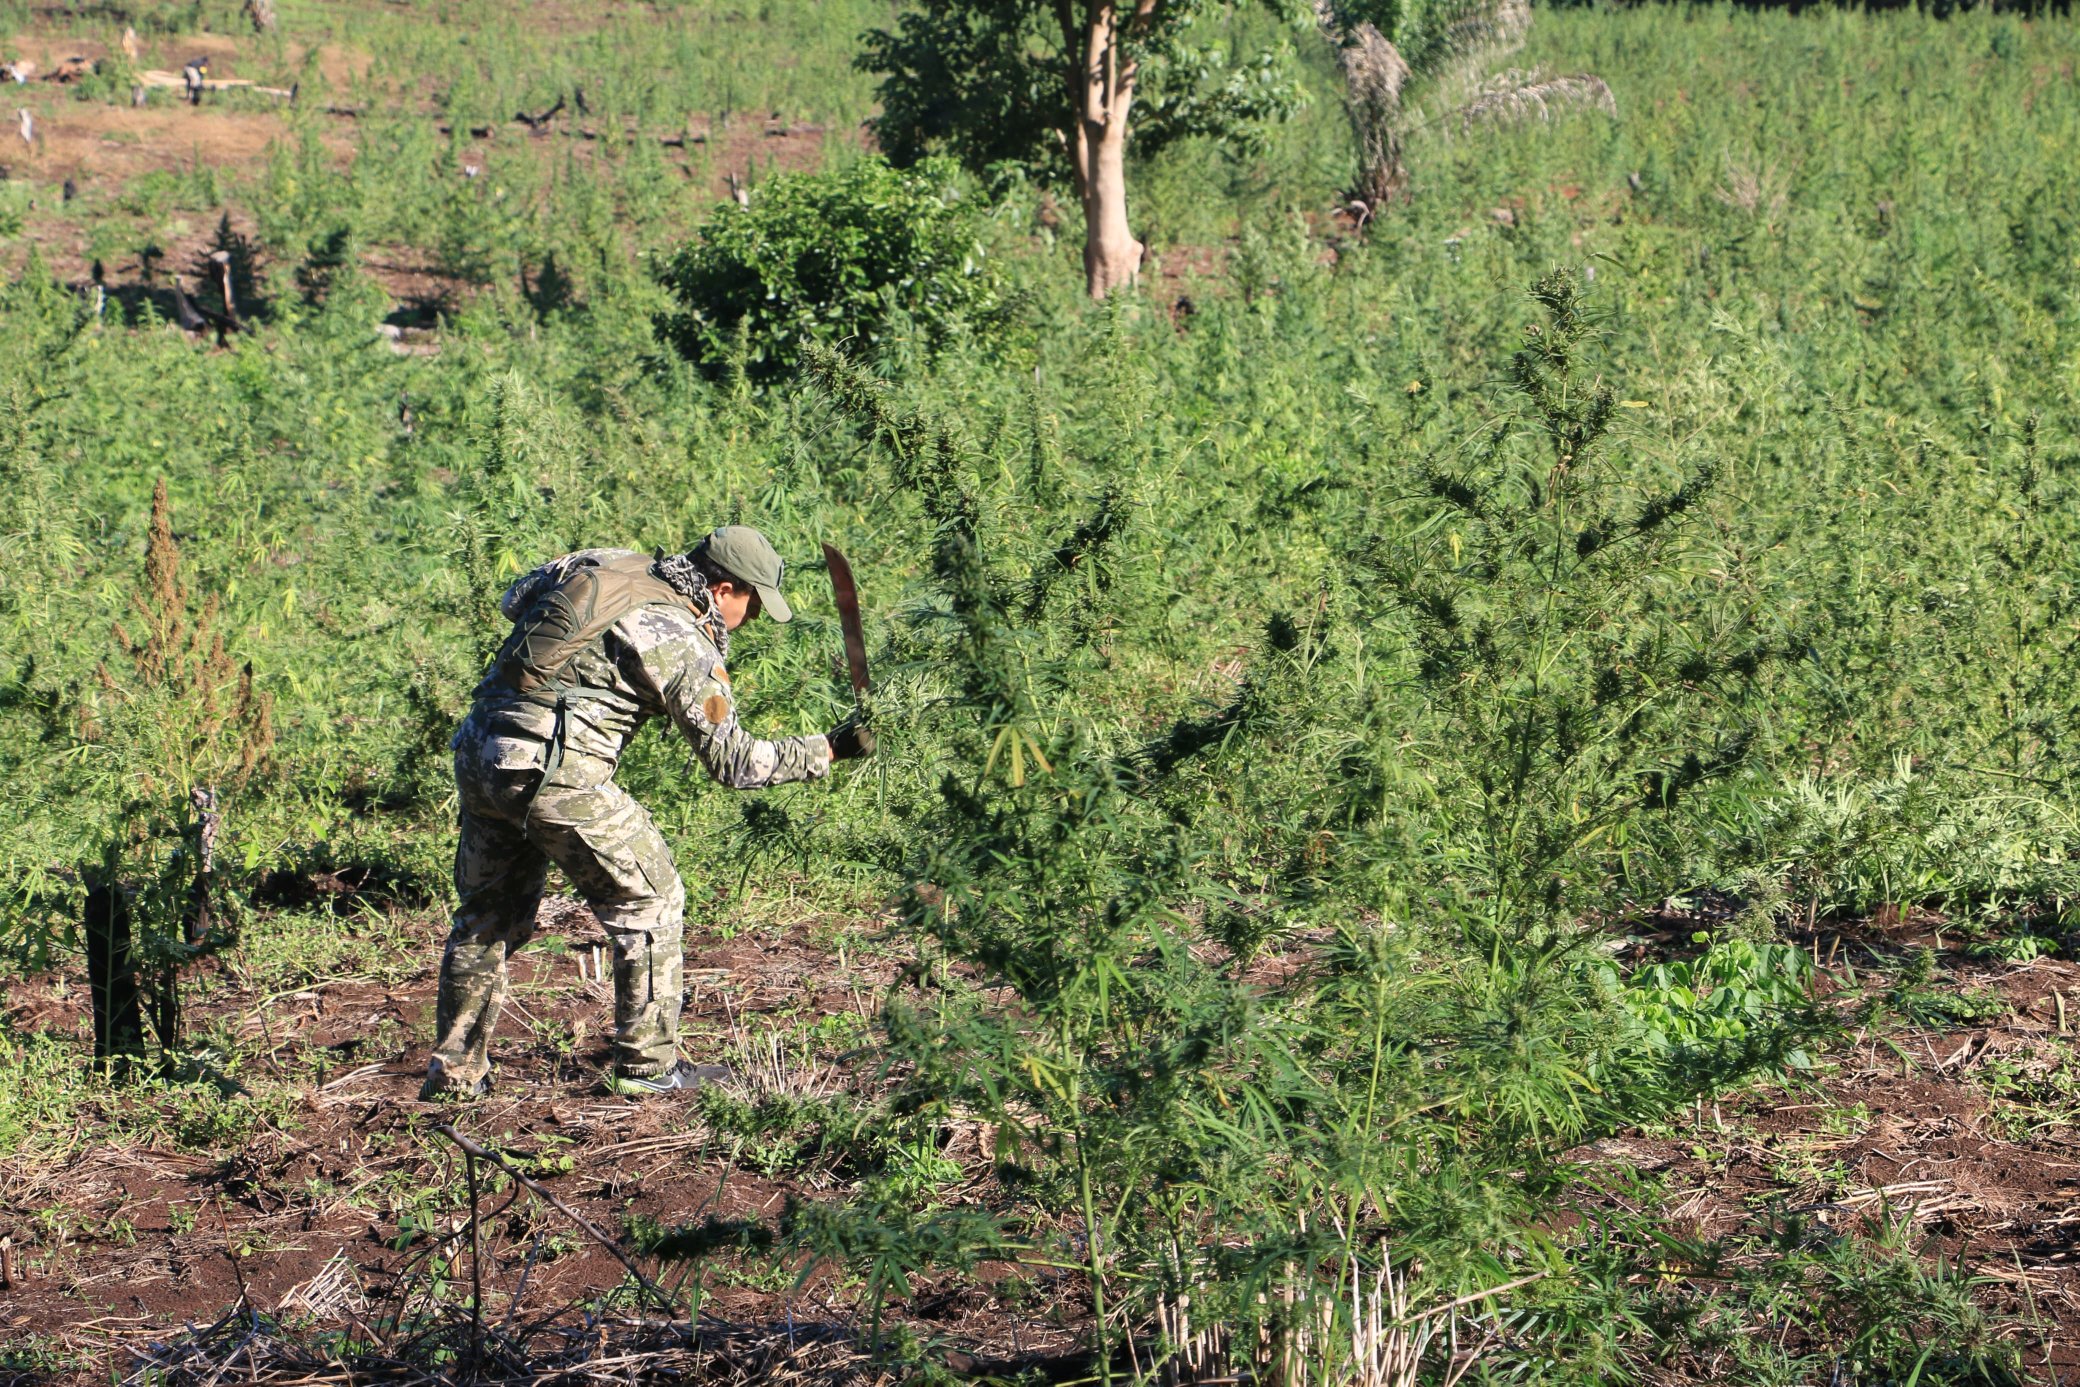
[1929,1125]
[126,1240]
[108,146]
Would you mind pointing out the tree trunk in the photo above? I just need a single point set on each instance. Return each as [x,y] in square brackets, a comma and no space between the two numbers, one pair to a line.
[261,12]
[1111,252]
[200,916]
[1382,178]
[198,922]
[1373,73]
[1104,101]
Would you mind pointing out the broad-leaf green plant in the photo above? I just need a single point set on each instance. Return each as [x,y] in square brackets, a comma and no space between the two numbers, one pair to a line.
[852,254]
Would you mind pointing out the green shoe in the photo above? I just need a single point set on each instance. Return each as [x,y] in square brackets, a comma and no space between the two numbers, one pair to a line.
[682,1077]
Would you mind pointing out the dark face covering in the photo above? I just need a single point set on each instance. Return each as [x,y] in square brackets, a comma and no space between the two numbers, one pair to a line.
[685,577]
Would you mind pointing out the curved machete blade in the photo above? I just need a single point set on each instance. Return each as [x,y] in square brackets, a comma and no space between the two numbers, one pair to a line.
[847,594]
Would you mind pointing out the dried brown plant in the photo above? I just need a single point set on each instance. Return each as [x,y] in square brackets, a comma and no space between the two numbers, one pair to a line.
[183,723]
[1374,74]
[1758,189]
[1521,96]
[217,727]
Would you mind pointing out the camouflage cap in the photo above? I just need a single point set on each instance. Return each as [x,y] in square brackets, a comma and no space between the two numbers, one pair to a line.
[743,551]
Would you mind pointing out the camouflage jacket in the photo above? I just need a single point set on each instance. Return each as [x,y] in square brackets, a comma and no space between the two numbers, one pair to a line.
[656,661]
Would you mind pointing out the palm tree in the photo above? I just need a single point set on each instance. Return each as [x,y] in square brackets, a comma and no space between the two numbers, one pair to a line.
[1438,59]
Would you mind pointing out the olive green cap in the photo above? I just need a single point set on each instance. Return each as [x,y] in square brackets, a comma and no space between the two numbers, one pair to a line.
[743,551]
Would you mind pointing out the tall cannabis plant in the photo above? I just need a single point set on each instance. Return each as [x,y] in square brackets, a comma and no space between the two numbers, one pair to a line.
[42,552]
[524,501]
[1237,1040]
[1052,900]
[1584,665]
[168,730]
[1583,659]
[1085,911]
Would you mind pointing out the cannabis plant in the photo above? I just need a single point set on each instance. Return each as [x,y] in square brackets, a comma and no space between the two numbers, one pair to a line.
[1087,917]
[1584,655]
[522,502]
[42,551]
[1125,1076]
[166,731]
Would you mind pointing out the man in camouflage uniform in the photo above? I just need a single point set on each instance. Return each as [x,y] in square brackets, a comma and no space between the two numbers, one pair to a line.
[535,779]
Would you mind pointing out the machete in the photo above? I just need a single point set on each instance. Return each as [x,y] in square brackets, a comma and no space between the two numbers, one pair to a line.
[847,595]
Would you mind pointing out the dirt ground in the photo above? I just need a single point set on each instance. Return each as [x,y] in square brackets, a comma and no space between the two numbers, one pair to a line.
[1903,1124]
[158,1237]
[1961,1132]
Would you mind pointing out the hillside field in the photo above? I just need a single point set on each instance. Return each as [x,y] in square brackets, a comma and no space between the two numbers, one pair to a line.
[1502,769]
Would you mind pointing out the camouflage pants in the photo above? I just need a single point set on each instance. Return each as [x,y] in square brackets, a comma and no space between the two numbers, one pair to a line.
[614,857]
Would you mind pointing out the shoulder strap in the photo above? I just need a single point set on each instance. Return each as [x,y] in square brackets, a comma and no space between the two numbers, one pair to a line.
[563,620]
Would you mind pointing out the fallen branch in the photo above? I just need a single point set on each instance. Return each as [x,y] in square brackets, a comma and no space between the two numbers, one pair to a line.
[592,1229]
[538,124]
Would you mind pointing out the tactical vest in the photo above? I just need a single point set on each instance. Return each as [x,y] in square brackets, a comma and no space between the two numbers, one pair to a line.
[560,623]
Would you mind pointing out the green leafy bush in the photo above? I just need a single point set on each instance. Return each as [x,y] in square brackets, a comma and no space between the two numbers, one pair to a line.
[828,256]
[1737,989]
